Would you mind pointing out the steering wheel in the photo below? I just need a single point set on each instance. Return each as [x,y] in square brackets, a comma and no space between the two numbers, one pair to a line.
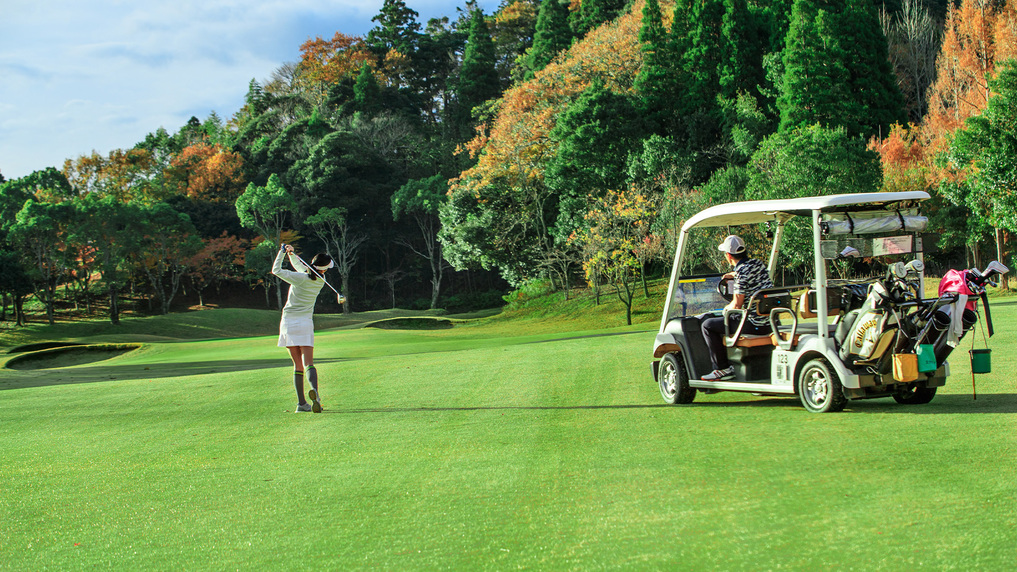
[726,289]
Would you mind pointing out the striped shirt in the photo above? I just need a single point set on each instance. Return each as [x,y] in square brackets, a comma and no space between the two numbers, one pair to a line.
[750,276]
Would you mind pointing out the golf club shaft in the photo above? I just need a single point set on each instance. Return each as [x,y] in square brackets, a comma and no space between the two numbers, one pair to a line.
[316,273]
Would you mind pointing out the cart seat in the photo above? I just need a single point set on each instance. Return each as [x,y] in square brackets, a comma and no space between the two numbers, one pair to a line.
[810,328]
[807,303]
[762,303]
[753,341]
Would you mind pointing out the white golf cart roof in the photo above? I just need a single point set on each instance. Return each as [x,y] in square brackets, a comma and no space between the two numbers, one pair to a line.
[749,212]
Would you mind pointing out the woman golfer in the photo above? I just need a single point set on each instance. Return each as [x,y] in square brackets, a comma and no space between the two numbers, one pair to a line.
[296,330]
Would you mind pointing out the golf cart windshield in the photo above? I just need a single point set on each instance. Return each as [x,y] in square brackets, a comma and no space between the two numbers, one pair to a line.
[696,295]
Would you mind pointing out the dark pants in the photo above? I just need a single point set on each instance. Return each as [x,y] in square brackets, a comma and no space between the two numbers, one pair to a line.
[713,333]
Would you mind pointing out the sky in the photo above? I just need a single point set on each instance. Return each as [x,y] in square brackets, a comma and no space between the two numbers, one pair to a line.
[99,75]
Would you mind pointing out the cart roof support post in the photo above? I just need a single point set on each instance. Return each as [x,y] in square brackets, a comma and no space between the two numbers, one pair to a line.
[674,276]
[775,248]
[821,309]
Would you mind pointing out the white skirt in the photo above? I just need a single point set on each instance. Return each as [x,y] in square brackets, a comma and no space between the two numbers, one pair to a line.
[296,331]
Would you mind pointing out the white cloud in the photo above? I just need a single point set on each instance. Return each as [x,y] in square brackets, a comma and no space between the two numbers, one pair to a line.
[82,76]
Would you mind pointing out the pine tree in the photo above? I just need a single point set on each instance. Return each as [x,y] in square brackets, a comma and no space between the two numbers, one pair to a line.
[702,60]
[836,69]
[595,136]
[593,13]
[478,78]
[655,83]
[679,45]
[366,93]
[397,29]
[815,79]
[742,48]
[552,35]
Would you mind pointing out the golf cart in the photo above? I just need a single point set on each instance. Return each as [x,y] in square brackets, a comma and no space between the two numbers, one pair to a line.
[833,339]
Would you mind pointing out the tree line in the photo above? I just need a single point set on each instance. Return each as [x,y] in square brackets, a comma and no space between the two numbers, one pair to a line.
[556,141]
[600,156]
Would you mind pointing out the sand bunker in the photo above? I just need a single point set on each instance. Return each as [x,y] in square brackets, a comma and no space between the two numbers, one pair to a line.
[412,324]
[68,355]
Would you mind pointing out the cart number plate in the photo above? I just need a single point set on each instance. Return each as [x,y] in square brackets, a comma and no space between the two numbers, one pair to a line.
[783,367]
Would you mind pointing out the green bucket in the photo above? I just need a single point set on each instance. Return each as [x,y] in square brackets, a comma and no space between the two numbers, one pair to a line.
[926,358]
[981,361]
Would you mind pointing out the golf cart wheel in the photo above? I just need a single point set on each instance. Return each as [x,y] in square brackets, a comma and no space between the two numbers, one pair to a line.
[914,395]
[819,388]
[674,381]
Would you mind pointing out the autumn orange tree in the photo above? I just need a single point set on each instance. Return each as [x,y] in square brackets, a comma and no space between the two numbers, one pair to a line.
[909,166]
[903,157]
[124,174]
[207,172]
[326,62]
[978,35]
[513,150]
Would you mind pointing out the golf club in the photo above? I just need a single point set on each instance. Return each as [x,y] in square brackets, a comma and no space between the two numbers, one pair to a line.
[339,297]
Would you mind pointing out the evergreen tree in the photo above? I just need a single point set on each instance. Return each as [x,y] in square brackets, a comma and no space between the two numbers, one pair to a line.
[815,80]
[702,61]
[655,83]
[366,93]
[552,35]
[596,135]
[989,143]
[679,46]
[836,69]
[742,48]
[871,76]
[397,29]
[593,13]
[478,78]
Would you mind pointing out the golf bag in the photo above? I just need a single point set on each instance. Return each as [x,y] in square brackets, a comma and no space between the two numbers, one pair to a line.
[955,313]
[861,332]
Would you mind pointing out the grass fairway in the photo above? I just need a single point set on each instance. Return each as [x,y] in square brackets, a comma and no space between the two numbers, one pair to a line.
[492,445]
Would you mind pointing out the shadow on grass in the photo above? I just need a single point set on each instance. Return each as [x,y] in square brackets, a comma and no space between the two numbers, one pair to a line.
[11,379]
[942,405]
[493,408]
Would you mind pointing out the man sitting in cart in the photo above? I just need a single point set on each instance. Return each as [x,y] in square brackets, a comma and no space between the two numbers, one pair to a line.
[750,275]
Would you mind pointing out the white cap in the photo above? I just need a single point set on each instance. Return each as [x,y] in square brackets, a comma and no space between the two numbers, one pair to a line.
[732,244]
